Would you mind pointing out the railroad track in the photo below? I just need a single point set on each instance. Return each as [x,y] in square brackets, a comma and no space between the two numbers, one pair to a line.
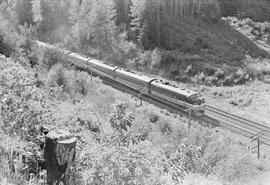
[240,125]
[213,116]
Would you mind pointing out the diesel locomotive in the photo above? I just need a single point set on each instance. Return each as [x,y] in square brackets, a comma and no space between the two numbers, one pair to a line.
[152,86]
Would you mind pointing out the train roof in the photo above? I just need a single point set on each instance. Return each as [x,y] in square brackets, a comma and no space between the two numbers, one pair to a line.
[143,78]
[176,89]
[160,83]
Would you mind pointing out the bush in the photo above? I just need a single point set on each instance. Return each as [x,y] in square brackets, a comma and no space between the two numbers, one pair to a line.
[51,58]
[156,57]
[81,83]
[15,39]
[257,67]
[73,83]
[10,40]
[22,103]
[145,59]
[138,164]
[56,76]
[236,167]
[197,179]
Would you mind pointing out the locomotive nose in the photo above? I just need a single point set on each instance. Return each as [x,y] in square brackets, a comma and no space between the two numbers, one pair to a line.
[199,101]
[202,100]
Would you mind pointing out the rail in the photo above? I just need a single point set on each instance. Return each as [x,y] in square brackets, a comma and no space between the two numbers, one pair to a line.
[247,127]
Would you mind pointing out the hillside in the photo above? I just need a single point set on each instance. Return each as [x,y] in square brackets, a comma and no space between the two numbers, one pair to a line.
[155,148]
[206,46]
[176,39]
[118,140]
[257,10]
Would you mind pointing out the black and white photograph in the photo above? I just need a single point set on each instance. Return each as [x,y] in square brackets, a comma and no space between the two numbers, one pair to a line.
[134,92]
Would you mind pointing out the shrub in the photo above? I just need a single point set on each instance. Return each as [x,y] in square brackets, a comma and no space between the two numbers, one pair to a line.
[82,83]
[236,167]
[51,58]
[128,47]
[22,103]
[197,179]
[16,165]
[257,67]
[156,57]
[57,77]
[75,84]
[10,40]
[145,59]
[138,164]
[15,39]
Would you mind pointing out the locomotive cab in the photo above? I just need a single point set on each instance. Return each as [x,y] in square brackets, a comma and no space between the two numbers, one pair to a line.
[197,99]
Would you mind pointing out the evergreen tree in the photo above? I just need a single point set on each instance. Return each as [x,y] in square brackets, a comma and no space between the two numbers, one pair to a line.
[145,21]
[96,24]
[37,11]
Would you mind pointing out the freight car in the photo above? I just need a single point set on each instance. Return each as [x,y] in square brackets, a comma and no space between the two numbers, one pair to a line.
[154,87]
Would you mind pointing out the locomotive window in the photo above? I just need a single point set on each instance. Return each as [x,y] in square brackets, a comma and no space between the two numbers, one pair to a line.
[194,96]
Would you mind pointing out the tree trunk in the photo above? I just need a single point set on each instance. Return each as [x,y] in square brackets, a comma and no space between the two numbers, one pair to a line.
[59,153]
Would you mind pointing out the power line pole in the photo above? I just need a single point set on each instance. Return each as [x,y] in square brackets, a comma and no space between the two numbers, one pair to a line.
[189,119]
[91,76]
[258,147]
[189,111]
[141,89]
[257,137]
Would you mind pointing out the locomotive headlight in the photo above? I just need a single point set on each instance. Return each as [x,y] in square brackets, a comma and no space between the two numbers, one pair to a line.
[202,100]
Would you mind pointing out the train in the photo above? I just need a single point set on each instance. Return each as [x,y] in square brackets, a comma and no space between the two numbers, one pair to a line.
[189,99]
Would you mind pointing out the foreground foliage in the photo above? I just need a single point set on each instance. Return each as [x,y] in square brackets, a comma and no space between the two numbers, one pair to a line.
[118,142]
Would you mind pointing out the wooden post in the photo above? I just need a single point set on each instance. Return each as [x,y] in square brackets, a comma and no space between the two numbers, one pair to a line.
[140,94]
[258,147]
[91,76]
[59,154]
[189,119]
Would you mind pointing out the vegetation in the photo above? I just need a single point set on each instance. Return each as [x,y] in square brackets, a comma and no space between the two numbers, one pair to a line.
[256,31]
[128,33]
[119,142]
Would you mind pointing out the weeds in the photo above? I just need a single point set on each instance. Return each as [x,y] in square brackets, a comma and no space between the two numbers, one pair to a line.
[122,143]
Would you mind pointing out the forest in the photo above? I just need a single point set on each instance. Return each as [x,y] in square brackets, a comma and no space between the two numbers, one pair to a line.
[120,142]
[165,38]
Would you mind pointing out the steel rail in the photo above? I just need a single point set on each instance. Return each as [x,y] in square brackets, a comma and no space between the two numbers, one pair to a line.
[244,125]
[248,131]
[238,118]
[255,128]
